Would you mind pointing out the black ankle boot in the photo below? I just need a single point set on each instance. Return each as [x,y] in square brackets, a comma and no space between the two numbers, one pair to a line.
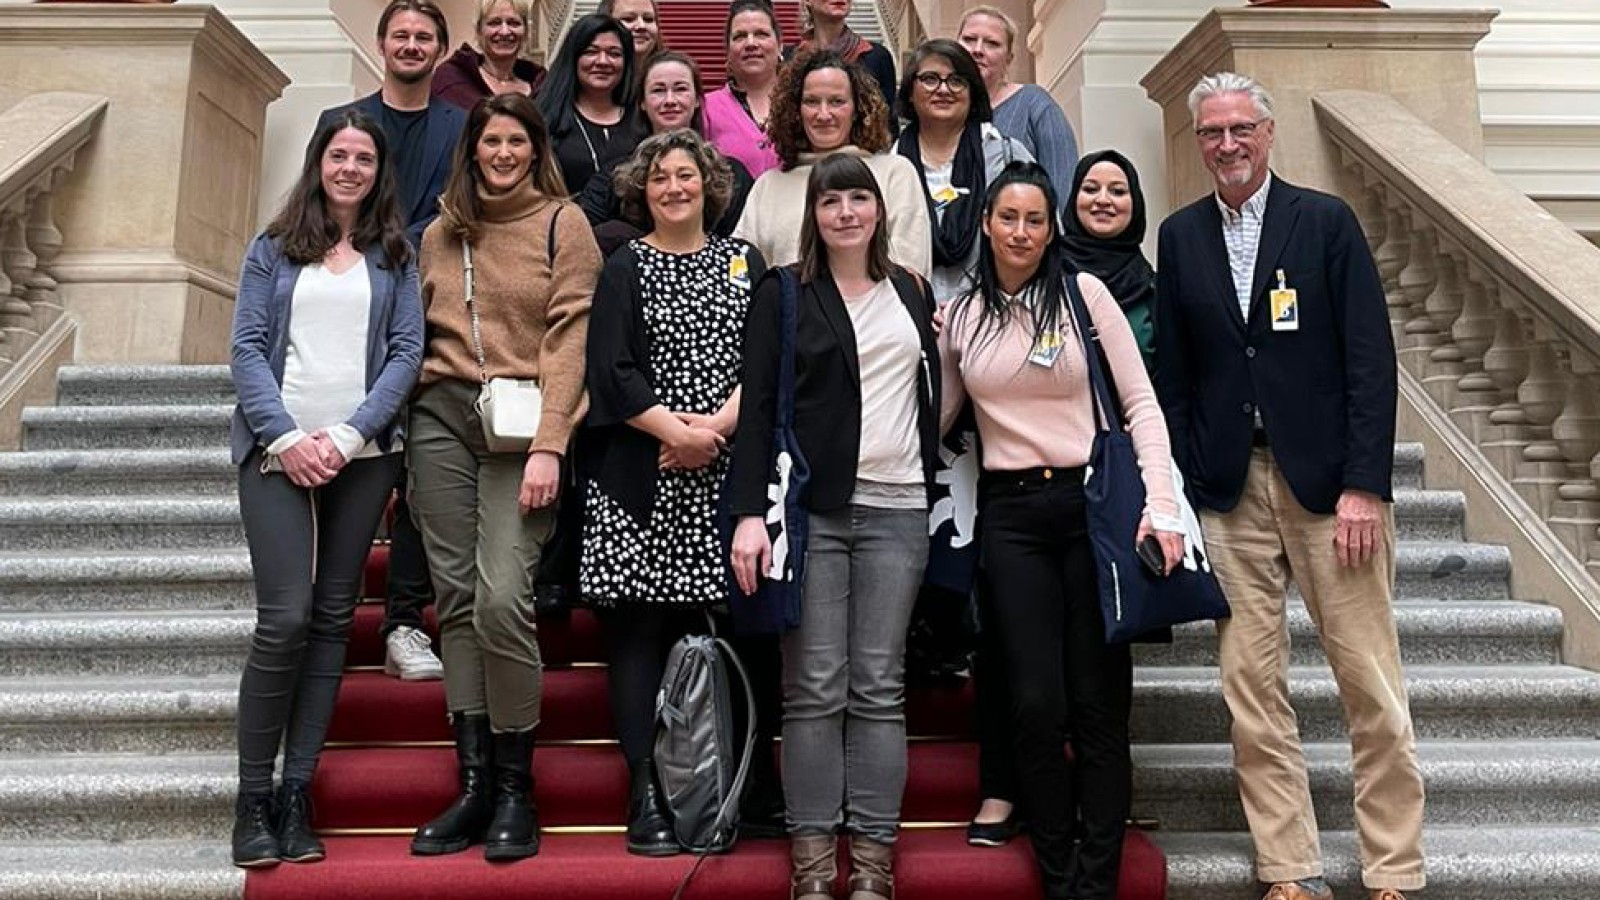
[255,844]
[464,821]
[297,843]
[514,831]
[649,831]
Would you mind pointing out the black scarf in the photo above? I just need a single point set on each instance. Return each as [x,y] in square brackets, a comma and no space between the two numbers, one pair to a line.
[1117,261]
[953,235]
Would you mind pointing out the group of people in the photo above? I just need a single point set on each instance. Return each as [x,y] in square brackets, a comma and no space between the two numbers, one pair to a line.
[611,233]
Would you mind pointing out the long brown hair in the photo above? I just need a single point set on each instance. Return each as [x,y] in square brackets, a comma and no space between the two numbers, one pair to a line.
[460,208]
[841,172]
[307,231]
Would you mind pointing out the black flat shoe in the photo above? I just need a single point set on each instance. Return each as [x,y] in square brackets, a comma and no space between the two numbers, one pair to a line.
[297,843]
[993,834]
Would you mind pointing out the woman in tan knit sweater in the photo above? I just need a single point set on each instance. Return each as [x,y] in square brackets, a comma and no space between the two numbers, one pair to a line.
[485,516]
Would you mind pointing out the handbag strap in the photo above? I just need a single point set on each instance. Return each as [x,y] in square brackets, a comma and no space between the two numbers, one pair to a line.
[788,320]
[472,310]
[1106,413]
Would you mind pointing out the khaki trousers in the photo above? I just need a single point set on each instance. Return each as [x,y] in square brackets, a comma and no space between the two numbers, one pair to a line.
[481,550]
[1256,548]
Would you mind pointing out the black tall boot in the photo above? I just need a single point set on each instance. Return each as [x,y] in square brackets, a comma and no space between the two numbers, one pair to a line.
[514,831]
[649,831]
[464,821]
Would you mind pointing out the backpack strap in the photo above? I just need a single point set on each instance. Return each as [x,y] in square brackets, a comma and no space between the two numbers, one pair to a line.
[550,242]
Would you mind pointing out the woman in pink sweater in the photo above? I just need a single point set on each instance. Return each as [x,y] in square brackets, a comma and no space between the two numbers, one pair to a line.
[1010,346]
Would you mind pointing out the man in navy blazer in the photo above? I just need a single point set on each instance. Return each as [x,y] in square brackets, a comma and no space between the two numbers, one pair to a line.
[422,133]
[413,36]
[1276,367]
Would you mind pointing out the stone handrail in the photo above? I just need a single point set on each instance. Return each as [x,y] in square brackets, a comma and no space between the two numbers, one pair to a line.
[39,141]
[556,13]
[1496,309]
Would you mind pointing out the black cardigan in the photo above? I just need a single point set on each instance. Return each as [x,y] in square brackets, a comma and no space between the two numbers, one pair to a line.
[827,392]
[620,458]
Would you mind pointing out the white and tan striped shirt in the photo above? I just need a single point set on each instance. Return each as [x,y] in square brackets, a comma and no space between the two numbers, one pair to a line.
[1241,232]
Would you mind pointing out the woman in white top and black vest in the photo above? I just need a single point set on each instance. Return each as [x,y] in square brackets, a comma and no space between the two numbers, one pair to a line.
[865,417]
[316,437]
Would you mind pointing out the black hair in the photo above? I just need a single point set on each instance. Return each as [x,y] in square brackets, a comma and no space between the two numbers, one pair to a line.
[961,63]
[304,227]
[1043,295]
[558,96]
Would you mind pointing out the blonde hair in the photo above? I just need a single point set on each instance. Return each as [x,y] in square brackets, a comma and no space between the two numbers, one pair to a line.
[993,12]
[523,8]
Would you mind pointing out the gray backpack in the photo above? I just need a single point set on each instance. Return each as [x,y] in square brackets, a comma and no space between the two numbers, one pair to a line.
[700,762]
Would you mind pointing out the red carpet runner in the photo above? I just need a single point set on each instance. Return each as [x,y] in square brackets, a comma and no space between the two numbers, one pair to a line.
[390,767]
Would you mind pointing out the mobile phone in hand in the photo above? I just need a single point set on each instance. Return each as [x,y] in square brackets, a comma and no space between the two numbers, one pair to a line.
[1154,558]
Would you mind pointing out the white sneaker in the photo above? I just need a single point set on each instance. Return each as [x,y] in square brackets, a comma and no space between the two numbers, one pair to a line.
[409,656]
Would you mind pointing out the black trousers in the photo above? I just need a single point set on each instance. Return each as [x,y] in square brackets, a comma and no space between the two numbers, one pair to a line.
[1064,678]
[410,584]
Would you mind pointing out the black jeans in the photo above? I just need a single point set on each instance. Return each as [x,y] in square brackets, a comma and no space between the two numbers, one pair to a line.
[997,761]
[410,584]
[307,551]
[1064,678]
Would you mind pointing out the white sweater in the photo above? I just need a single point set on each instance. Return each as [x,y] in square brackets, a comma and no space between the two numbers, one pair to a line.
[777,205]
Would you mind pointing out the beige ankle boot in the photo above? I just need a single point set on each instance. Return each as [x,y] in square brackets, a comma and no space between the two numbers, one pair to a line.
[814,865]
[871,869]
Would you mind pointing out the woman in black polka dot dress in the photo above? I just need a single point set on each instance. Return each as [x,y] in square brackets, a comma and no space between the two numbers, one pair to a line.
[665,339]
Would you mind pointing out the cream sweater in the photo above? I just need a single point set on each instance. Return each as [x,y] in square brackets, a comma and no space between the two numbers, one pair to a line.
[777,205]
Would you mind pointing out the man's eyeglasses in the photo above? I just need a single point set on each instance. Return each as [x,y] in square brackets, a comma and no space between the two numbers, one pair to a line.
[1241,131]
[955,83]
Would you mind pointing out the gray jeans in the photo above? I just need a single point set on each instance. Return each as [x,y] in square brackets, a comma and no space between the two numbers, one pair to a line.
[308,548]
[481,549]
[844,723]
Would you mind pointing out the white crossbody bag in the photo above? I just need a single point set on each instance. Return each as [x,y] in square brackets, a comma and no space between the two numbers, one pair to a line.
[509,407]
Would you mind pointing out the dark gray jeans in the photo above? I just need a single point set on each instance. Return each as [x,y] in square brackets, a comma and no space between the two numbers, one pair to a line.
[308,549]
[844,723]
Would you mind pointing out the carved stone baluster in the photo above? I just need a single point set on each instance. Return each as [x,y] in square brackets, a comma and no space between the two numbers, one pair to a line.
[1506,364]
[1417,281]
[16,317]
[1542,394]
[1443,307]
[45,239]
[1576,432]
[1391,256]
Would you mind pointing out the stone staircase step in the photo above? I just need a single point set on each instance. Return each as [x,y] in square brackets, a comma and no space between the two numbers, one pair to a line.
[1489,862]
[1172,705]
[117,797]
[139,643]
[100,580]
[1431,633]
[141,385]
[1183,705]
[117,472]
[1192,787]
[1421,515]
[126,427]
[120,523]
[1453,570]
[117,870]
[1408,462]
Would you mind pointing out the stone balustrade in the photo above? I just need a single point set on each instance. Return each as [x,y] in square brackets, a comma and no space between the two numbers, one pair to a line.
[39,142]
[1495,305]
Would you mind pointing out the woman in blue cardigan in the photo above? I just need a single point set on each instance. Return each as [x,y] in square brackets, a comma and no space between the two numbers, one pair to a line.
[316,437]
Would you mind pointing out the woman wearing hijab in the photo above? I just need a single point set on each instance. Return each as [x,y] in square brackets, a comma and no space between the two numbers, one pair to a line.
[1103,237]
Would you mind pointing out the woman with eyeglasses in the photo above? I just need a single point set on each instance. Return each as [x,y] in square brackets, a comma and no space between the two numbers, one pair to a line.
[587,100]
[470,75]
[823,105]
[1023,112]
[671,99]
[737,113]
[956,153]
[1013,348]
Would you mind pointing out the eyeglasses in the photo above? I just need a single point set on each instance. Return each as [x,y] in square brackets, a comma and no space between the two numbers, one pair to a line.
[1239,131]
[955,82]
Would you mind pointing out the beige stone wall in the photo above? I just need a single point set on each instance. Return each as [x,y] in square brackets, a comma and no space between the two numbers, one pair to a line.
[164,199]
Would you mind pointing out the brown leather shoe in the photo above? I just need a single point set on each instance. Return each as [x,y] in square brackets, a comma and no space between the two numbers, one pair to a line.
[1387,894]
[814,865]
[1289,890]
[871,869]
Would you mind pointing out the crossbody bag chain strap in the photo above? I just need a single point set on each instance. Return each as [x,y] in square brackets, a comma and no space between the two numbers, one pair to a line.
[472,310]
